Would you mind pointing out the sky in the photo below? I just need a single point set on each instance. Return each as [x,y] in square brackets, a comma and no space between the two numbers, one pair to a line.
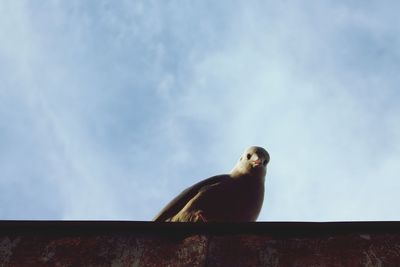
[108,109]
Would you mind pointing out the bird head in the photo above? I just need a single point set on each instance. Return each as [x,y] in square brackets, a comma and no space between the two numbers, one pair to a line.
[253,161]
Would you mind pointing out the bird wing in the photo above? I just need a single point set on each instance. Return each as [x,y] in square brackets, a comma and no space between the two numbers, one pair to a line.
[183,198]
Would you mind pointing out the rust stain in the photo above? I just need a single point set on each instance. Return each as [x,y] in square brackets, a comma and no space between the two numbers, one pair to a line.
[134,248]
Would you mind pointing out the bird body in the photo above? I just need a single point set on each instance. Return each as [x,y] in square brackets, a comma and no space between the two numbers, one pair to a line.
[234,197]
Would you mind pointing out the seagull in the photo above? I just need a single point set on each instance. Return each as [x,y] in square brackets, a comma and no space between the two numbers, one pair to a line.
[234,197]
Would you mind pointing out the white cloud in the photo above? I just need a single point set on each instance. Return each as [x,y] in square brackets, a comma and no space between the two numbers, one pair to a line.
[112,108]
[286,83]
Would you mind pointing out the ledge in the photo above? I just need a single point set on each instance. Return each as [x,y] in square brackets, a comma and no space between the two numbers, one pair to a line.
[129,243]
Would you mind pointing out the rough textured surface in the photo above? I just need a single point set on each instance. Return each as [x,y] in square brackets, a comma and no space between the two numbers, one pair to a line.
[347,250]
[173,244]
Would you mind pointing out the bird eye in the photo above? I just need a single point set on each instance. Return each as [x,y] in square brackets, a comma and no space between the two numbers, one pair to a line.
[248,156]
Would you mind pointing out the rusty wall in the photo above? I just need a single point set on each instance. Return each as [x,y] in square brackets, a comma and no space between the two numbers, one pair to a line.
[61,243]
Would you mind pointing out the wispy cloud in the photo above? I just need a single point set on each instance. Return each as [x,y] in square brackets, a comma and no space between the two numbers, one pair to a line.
[108,109]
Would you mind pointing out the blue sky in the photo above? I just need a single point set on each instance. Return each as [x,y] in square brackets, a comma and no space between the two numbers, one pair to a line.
[108,109]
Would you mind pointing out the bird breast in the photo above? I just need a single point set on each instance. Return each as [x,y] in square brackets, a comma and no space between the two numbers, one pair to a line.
[241,201]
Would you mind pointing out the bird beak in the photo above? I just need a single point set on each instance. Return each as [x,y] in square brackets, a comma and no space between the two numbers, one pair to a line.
[257,163]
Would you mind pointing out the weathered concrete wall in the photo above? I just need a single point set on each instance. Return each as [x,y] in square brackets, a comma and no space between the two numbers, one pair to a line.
[179,244]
